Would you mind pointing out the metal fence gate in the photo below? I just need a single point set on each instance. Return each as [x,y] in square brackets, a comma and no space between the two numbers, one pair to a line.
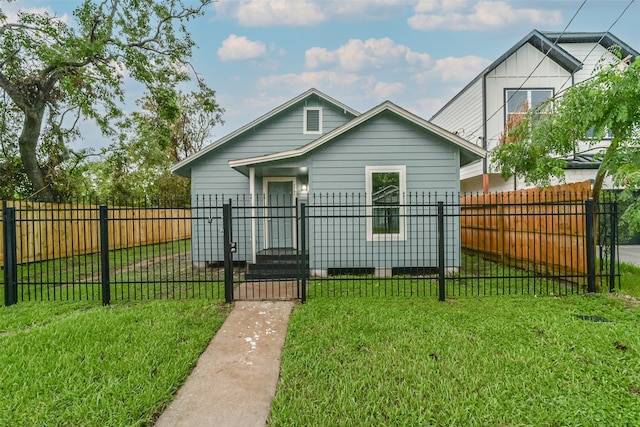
[327,246]
[334,254]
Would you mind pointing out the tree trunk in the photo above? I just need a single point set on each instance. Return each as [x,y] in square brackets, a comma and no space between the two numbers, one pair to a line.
[28,143]
[602,170]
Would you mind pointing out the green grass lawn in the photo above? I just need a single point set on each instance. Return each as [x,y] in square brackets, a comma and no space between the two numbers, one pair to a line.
[488,361]
[630,279]
[370,360]
[79,364]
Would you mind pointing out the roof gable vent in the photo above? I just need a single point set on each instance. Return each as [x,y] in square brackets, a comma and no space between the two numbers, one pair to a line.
[312,120]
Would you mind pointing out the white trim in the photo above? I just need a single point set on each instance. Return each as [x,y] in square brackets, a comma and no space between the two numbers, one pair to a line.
[252,192]
[304,121]
[178,167]
[402,234]
[385,106]
[265,192]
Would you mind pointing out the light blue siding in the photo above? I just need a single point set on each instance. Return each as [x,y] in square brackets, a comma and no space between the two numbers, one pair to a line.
[338,167]
[211,174]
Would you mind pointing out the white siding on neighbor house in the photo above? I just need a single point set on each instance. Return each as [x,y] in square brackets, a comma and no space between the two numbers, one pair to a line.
[463,115]
[590,59]
[515,72]
[471,170]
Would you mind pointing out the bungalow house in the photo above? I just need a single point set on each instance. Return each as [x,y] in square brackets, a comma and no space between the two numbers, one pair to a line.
[538,67]
[314,145]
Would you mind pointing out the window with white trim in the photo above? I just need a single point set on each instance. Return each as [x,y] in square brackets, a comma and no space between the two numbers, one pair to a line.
[520,101]
[386,187]
[312,121]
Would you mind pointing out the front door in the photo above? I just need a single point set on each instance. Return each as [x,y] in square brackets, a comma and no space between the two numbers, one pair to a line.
[280,212]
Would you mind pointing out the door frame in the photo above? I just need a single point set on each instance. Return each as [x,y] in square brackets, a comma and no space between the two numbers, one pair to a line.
[265,190]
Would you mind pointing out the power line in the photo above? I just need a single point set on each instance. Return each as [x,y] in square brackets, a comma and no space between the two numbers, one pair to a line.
[585,58]
[599,41]
[536,67]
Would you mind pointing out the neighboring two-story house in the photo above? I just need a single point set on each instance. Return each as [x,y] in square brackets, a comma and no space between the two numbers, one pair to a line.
[538,67]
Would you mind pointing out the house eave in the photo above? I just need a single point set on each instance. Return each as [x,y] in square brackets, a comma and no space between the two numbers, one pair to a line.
[474,152]
[538,40]
[183,168]
[546,40]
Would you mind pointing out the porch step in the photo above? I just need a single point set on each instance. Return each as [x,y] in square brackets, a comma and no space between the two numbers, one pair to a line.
[278,263]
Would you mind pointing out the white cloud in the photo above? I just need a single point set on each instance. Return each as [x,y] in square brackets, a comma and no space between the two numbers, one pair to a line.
[358,55]
[460,15]
[237,48]
[459,69]
[263,13]
[383,90]
[319,79]
[359,91]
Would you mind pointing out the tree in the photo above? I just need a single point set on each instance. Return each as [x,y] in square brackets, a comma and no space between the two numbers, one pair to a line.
[609,102]
[159,135]
[55,74]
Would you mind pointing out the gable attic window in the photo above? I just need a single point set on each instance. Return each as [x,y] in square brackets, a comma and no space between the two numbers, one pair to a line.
[312,120]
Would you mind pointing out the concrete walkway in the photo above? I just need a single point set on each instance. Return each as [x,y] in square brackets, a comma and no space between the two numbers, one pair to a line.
[235,379]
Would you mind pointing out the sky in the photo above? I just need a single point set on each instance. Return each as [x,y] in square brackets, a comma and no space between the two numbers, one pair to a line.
[258,54]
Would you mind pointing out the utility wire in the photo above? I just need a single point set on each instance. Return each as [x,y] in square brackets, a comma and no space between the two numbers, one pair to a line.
[597,44]
[585,58]
[534,70]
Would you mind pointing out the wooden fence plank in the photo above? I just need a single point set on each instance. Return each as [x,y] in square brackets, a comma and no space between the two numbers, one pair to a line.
[525,228]
[51,230]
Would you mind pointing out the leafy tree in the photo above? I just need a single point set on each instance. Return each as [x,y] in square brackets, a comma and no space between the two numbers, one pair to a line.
[159,135]
[608,102]
[55,74]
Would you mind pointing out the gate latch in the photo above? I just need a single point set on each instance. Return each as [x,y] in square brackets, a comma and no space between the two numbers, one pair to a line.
[233,247]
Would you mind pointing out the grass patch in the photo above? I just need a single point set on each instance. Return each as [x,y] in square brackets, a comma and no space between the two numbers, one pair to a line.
[630,279]
[72,363]
[163,270]
[475,362]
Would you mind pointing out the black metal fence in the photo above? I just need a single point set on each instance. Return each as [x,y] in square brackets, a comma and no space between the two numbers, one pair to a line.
[330,245]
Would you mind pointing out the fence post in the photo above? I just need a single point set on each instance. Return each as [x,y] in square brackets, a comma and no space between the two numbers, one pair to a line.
[10,255]
[228,260]
[304,271]
[613,217]
[441,257]
[590,242]
[104,254]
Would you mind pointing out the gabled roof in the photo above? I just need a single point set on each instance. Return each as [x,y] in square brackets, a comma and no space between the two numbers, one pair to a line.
[183,167]
[548,44]
[605,39]
[469,152]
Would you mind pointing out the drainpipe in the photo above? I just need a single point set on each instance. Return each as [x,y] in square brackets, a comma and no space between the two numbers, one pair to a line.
[485,173]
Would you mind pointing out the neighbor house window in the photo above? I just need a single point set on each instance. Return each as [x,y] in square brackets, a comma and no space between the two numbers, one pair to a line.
[519,102]
[591,134]
[312,120]
[522,100]
[386,186]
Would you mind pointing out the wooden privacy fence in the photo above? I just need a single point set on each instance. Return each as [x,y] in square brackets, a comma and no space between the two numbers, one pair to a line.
[46,231]
[543,228]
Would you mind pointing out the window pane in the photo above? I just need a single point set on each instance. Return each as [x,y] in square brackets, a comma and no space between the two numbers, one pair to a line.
[539,96]
[385,198]
[517,101]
